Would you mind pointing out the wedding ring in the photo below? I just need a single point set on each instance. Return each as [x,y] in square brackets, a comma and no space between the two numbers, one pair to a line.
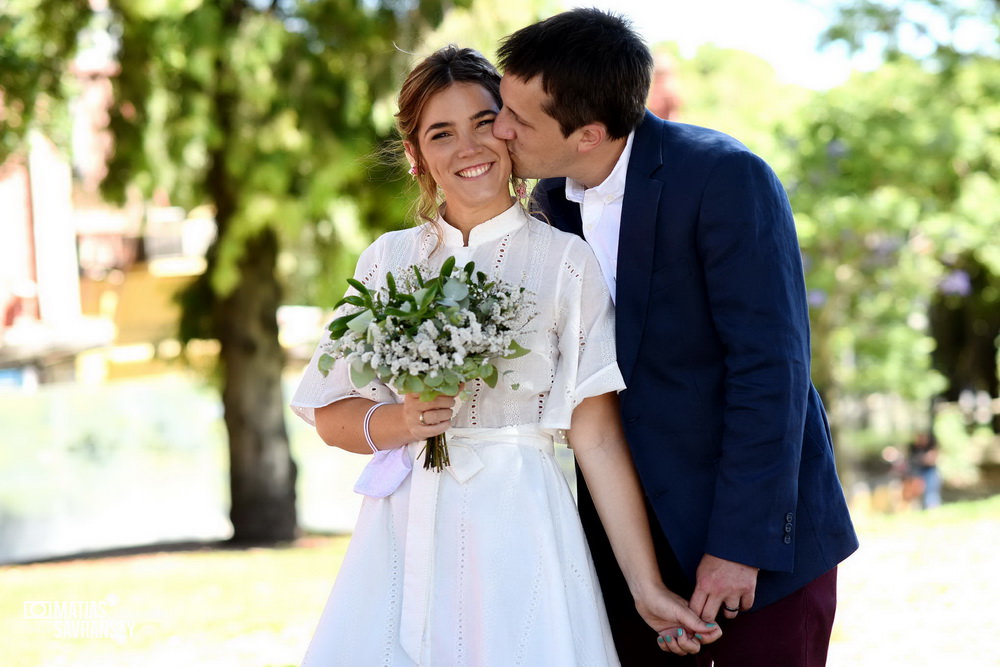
[421,419]
[730,609]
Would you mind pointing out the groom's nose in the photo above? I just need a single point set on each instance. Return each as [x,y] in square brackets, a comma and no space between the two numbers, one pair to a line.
[502,127]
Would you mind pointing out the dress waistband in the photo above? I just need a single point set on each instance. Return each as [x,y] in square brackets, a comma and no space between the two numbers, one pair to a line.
[521,435]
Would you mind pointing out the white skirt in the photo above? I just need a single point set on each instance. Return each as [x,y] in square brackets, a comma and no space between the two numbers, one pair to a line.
[484,565]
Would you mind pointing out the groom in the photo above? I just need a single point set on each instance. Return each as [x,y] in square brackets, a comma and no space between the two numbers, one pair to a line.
[696,240]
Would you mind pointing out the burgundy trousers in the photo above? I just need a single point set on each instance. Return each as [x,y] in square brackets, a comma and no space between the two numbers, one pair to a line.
[792,632]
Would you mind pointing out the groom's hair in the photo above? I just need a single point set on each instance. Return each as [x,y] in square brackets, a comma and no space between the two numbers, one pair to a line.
[594,68]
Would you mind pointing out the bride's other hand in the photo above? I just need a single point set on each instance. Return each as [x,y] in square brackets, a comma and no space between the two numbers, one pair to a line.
[680,630]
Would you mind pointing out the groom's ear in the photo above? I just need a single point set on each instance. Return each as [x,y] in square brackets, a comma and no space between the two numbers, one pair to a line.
[591,136]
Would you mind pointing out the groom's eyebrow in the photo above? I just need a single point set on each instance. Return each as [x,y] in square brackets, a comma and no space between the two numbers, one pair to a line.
[518,117]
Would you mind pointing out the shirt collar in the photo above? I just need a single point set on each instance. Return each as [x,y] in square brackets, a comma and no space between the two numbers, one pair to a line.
[485,232]
[613,187]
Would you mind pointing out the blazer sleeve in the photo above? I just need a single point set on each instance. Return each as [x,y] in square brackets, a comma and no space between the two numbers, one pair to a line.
[756,293]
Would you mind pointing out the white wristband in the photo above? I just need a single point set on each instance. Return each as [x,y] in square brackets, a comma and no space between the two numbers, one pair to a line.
[368,419]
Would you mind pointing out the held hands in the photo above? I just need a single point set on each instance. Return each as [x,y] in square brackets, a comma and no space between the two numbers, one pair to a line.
[680,630]
[424,419]
[723,586]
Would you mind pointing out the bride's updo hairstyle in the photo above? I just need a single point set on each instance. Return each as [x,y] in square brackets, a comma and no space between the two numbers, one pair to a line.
[433,74]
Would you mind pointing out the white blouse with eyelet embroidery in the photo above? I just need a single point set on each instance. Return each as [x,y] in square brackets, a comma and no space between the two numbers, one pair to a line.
[571,337]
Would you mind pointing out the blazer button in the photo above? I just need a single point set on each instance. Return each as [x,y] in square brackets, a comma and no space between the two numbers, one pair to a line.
[788,539]
[788,528]
[789,517]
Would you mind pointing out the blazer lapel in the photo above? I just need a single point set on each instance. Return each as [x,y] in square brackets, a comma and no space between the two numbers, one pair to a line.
[636,242]
[565,214]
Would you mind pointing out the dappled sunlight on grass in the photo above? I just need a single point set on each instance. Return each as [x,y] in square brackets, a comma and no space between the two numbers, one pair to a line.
[920,592]
[216,607]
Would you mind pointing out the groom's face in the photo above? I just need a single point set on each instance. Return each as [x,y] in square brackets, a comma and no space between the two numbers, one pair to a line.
[537,146]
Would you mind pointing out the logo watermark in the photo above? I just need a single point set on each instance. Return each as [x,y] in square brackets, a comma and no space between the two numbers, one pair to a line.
[81,619]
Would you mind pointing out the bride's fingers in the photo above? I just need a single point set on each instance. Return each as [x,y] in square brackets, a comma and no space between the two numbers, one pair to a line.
[687,641]
[679,642]
[427,418]
[435,417]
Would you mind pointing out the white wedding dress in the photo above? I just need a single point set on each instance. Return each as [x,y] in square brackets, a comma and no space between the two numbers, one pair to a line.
[484,564]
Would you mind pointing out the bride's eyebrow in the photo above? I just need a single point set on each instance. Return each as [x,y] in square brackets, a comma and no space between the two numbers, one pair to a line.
[433,127]
[437,126]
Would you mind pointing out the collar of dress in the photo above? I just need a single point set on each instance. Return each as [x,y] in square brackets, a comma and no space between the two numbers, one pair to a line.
[485,232]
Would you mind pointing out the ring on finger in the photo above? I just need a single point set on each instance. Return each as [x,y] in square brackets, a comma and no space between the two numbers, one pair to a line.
[731,610]
[421,419]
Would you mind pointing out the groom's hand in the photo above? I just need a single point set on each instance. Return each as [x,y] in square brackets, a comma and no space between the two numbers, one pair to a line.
[723,587]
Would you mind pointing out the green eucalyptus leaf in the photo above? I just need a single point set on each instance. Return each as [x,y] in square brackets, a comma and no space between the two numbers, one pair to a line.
[429,394]
[423,297]
[325,363]
[490,378]
[411,384]
[455,290]
[450,386]
[515,350]
[359,323]
[361,373]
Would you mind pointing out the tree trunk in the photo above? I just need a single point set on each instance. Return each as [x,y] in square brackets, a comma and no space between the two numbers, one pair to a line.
[261,470]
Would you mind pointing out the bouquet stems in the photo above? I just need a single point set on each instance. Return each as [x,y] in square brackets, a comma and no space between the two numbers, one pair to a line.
[436,453]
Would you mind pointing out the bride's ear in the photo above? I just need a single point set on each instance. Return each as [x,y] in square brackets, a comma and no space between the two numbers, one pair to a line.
[411,158]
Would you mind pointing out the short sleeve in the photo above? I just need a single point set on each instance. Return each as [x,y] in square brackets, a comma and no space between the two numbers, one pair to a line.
[316,390]
[587,364]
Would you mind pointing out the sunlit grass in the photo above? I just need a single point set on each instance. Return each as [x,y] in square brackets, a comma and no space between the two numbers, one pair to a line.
[917,576]
[207,607]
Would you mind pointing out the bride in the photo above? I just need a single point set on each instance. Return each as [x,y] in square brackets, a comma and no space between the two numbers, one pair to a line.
[485,563]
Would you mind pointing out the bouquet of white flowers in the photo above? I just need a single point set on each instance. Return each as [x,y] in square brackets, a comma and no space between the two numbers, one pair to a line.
[429,337]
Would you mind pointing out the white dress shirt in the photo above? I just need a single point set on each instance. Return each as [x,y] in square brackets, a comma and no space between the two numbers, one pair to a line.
[601,212]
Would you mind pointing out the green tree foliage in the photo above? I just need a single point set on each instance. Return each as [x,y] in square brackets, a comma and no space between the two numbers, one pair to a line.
[914,149]
[268,113]
[32,69]
[735,92]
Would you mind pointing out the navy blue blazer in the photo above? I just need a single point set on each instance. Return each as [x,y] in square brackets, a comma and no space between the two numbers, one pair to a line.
[729,435]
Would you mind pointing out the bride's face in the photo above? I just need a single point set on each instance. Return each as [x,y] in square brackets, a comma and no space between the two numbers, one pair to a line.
[458,149]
